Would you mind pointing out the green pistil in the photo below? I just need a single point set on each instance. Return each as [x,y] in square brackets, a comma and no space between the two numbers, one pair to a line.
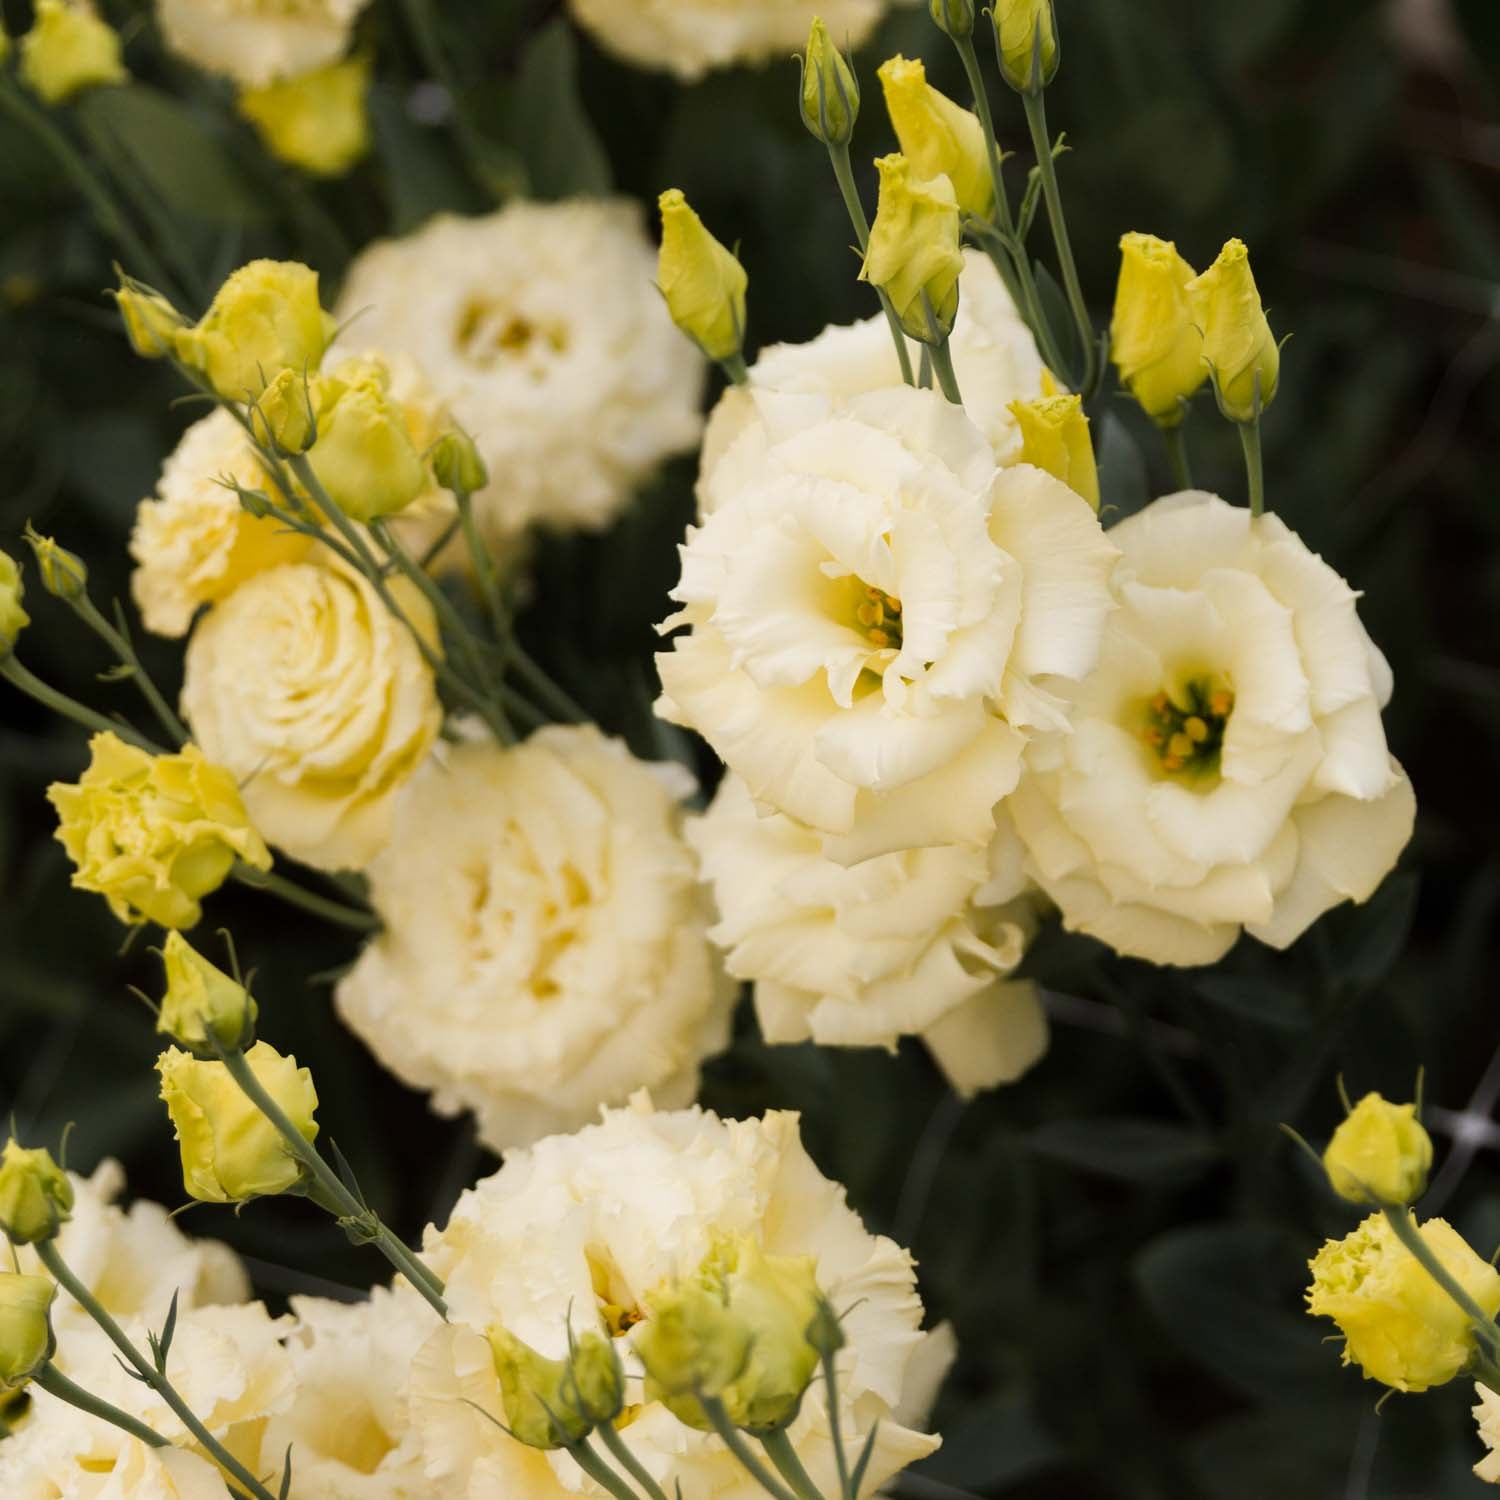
[1189,737]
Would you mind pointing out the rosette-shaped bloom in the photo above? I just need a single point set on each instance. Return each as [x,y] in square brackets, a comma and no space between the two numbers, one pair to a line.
[692,37]
[994,356]
[153,834]
[193,542]
[874,615]
[257,41]
[1227,767]
[544,946]
[541,327]
[591,1226]
[317,697]
[913,943]
[48,1454]
[317,120]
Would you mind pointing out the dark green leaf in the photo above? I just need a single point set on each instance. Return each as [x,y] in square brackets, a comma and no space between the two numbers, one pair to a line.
[550,126]
[1258,1000]
[1132,1150]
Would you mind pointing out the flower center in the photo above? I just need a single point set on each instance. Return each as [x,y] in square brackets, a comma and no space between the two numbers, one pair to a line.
[879,617]
[1188,736]
[488,332]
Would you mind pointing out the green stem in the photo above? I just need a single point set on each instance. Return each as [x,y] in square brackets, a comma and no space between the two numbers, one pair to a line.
[154,1378]
[70,708]
[835,1426]
[736,1444]
[1254,470]
[844,173]
[1175,439]
[1008,257]
[924,369]
[85,608]
[322,907]
[52,1380]
[1398,1216]
[942,364]
[351,1208]
[484,565]
[617,1445]
[599,1471]
[1036,120]
[779,1446]
[734,367]
[554,697]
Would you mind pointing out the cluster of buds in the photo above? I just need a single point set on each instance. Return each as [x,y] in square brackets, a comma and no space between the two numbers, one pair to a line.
[556,1403]
[36,1200]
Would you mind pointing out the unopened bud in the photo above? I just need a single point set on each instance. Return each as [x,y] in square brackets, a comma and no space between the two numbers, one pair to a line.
[913,254]
[151,322]
[1379,1154]
[1055,437]
[1026,43]
[203,1009]
[830,89]
[283,416]
[956,17]
[456,463]
[550,1403]
[1241,351]
[26,1338]
[63,573]
[36,1198]
[704,285]
[13,618]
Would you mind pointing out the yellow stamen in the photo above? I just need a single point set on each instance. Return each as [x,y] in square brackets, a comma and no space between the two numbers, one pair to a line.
[1195,729]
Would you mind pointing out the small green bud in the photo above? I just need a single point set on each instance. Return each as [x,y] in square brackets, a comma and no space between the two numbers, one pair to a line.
[26,1338]
[456,463]
[550,1403]
[36,1198]
[203,1005]
[64,574]
[283,415]
[955,17]
[1026,43]
[151,322]
[830,90]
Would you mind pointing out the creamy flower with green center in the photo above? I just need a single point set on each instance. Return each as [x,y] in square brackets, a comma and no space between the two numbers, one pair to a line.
[257,41]
[1226,768]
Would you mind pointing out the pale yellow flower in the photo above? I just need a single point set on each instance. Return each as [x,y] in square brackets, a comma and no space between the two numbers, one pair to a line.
[318,120]
[69,49]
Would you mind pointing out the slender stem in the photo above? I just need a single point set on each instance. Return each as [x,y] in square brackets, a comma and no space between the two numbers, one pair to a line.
[835,1426]
[552,695]
[323,907]
[617,1445]
[790,1466]
[70,708]
[1398,1216]
[924,369]
[734,368]
[942,364]
[844,173]
[52,1380]
[484,564]
[154,1378]
[85,609]
[1008,256]
[599,1471]
[1254,471]
[1175,439]
[399,1255]
[1036,120]
[741,1450]
[967,55]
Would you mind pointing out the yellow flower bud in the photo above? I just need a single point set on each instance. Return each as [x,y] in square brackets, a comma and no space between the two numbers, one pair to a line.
[365,457]
[64,574]
[69,49]
[1380,1154]
[203,1007]
[550,1403]
[703,283]
[1026,43]
[36,1198]
[230,1151]
[1153,338]
[914,254]
[938,137]
[1400,1327]
[830,89]
[13,619]
[317,120]
[284,413]
[153,834]
[26,1338]
[1055,437]
[953,17]
[1237,341]
[266,318]
[457,464]
[151,322]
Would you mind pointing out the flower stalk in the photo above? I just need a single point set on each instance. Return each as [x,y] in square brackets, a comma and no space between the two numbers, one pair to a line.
[1254,469]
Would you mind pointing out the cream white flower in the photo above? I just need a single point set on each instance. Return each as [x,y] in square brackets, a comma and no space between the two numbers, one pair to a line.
[1487,1415]
[994,356]
[912,943]
[257,41]
[876,614]
[545,946]
[193,542]
[540,325]
[690,37]
[305,686]
[1226,768]
[587,1226]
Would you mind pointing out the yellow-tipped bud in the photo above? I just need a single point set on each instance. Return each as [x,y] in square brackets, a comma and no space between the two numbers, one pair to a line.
[937,136]
[26,1338]
[1055,437]
[283,416]
[550,1403]
[830,89]
[151,322]
[317,120]
[69,49]
[365,457]
[914,254]
[13,618]
[457,464]
[230,1151]
[1379,1154]
[1242,354]
[1153,338]
[955,17]
[64,574]
[1400,1327]
[36,1198]
[203,1007]
[703,283]
[1026,43]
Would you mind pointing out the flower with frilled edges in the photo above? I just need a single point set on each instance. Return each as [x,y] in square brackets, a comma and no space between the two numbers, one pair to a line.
[256,42]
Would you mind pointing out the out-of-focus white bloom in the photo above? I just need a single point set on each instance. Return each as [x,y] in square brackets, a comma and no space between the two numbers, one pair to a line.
[994,356]
[257,41]
[305,686]
[1227,766]
[193,542]
[588,1226]
[545,942]
[691,37]
[1487,1415]
[542,328]
[876,614]
[912,943]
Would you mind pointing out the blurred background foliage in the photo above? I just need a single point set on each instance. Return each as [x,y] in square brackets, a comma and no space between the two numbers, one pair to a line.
[1120,1240]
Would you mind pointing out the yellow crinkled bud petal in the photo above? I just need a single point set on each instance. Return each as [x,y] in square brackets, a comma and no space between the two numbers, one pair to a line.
[1153,338]
[64,574]
[36,1198]
[1237,341]
[203,1006]
[365,456]
[13,618]
[914,254]
[1027,34]
[26,1339]
[1379,1154]
[1055,437]
[151,322]
[704,285]
[550,1403]
[230,1151]
[317,120]
[938,137]
[830,89]
[1400,1327]
[69,49]
[153,834]
[284,413]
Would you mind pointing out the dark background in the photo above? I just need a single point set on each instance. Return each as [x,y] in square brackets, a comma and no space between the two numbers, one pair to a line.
[1120,1240]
